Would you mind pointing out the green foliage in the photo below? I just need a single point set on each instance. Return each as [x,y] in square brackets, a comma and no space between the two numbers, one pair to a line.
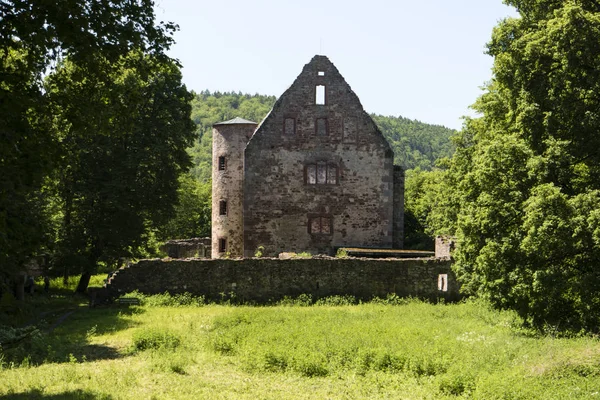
[341,253]
[138,133]
[523,185]
[259,251]
[415,144]
[35,36]
[170,300]
[192,216]
[423,193]
[147,339]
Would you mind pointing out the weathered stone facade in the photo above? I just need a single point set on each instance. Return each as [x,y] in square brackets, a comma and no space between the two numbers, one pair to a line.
[229,142]
[271,279]
[317,175]
[188,248]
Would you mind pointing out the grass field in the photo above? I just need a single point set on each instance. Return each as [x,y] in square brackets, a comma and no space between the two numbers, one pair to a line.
[332,350]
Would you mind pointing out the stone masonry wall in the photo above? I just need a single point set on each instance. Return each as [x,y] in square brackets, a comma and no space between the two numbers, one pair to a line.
[270,279]
[299,134]
[229,141]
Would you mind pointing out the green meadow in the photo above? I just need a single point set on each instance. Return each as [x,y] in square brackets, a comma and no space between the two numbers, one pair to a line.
[180,347]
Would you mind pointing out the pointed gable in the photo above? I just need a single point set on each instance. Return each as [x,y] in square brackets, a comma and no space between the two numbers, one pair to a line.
[319,106]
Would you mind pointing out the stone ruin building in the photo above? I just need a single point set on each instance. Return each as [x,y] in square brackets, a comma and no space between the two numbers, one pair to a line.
[315,175]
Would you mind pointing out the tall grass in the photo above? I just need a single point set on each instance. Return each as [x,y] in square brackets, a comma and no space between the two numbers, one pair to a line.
[390,348]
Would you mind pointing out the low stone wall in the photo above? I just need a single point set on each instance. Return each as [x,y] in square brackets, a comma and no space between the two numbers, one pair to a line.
[262,280]
[186,248]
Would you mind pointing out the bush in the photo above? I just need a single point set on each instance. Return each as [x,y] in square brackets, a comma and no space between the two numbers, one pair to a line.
[155,339]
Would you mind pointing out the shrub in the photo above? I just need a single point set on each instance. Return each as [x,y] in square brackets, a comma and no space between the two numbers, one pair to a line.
[154,339]
[337,300]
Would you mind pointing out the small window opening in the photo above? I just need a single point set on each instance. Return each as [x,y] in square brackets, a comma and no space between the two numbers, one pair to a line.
[443,282]
[321,73]
[320,95]
[322,127]
[222,245]
[223,207]
[222,163]
[289,126]
[320,225]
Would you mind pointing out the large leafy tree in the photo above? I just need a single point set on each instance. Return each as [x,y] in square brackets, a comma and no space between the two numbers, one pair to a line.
[124,133]
[524,184]
[34,36]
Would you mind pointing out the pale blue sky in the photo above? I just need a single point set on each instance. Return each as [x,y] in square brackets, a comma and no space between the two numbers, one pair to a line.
[421,59]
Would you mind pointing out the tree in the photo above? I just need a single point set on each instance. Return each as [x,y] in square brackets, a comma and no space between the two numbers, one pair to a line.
[34,36]
[125,130]
[192,216]
[523,186]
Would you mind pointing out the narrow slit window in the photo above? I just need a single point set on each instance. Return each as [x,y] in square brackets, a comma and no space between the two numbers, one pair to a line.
[320,95]
[222,245]
[222,163]
[443,282]
[322,127]
[223,207]
[289,126]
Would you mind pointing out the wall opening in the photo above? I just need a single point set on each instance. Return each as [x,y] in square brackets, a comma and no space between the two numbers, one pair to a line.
[223,207]
[321,73]
[289,126]
[321,173]
[222,163]
[222,245]
[320,225]
[320,95]
[322,127]
[443,282]
[350,130]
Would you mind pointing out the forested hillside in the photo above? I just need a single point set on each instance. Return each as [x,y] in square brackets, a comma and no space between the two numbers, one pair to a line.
[415,144]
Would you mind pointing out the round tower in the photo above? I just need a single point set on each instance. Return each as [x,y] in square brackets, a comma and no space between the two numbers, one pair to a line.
[229,141]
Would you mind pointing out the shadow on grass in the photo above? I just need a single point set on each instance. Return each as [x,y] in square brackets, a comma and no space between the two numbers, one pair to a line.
[68,336]
[74,394]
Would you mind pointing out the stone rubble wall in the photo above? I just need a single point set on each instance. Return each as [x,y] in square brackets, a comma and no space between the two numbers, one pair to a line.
[267,279]
[188,248]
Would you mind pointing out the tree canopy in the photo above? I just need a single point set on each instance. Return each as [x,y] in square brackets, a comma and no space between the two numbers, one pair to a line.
[110,90]
[523,186]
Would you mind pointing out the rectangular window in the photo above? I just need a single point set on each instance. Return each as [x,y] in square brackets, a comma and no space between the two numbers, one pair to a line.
[350,131]
[320,95]
[223,207]
[321,73]
[222,163]
[321,173]
[222,245]
[320,225]
[289,126]
[322,127]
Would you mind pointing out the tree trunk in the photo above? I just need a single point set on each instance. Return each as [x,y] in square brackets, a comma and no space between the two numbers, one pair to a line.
[84,281]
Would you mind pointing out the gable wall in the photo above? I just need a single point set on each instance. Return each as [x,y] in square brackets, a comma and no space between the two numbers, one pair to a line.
[277,201]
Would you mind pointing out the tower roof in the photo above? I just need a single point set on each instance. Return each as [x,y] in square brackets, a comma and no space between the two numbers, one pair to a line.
[236,121]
